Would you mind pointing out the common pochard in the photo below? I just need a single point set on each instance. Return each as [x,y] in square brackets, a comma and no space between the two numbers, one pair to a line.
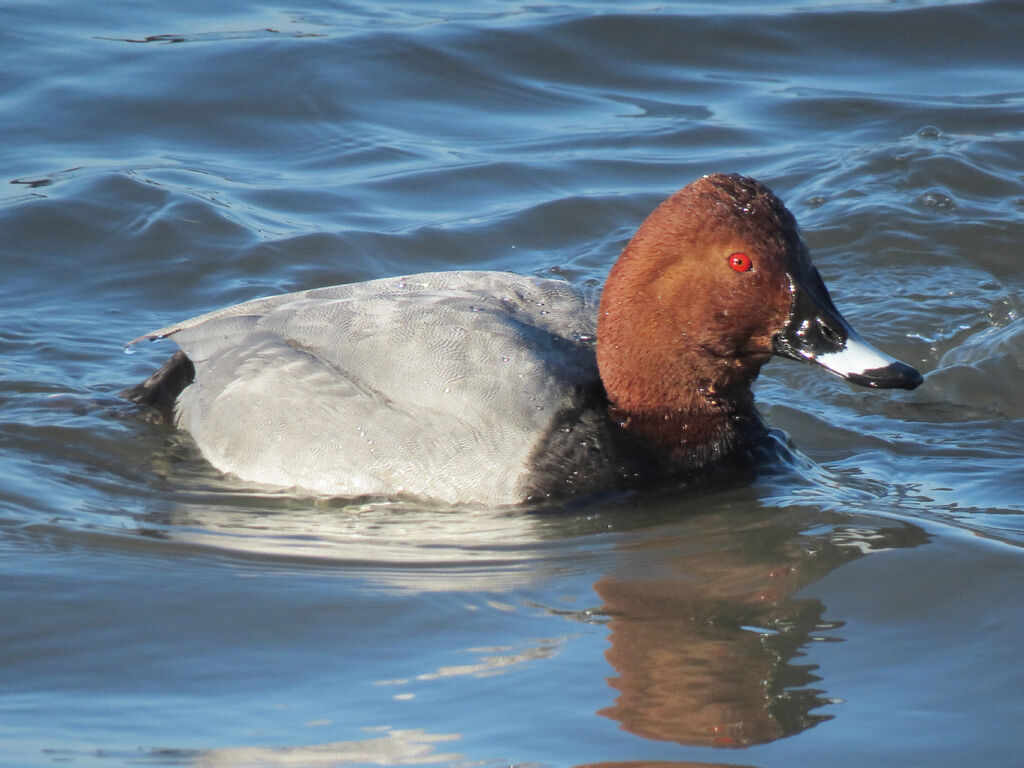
[495,388]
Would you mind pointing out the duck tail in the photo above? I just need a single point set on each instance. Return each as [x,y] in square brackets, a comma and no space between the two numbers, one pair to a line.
[161,390]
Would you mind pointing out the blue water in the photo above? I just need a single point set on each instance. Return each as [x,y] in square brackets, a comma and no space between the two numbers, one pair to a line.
[161,160]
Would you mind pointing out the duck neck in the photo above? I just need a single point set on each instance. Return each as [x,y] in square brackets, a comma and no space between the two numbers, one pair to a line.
[706,429]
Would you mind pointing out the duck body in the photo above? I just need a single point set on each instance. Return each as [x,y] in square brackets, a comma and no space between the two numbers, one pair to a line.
[444,385]
[493,388]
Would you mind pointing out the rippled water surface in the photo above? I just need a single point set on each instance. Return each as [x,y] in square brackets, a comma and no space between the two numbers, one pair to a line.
[862,607]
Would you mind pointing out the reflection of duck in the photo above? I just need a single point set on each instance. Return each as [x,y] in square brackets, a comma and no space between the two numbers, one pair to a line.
[698,608]
[395,545]
[394,748]
[487,387]
[703,652]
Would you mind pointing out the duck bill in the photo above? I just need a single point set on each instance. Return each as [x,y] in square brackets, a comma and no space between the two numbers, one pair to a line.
[816,333]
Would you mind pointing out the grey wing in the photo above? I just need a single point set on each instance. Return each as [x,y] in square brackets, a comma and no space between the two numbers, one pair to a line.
[436,390]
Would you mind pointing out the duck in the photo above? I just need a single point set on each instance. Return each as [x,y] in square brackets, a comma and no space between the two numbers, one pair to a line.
[494,388]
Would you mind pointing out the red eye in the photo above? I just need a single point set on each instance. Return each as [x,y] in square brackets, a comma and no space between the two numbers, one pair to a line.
[740,262]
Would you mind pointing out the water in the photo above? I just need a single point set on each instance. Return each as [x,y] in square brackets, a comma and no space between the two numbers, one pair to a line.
[162,160]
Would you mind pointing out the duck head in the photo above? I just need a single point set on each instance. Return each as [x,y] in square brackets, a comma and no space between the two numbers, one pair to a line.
[714,282]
